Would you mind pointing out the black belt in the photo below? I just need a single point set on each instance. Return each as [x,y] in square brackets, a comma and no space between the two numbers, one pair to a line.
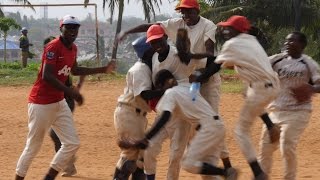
[266,85]
[137,110]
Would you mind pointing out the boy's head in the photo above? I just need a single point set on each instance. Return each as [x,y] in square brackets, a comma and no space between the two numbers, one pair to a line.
[190,10]
[69,27]
[234,26]
[157,38]
[164,80]
[295,43]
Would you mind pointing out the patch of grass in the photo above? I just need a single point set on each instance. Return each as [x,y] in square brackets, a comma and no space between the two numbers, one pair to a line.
[232,86]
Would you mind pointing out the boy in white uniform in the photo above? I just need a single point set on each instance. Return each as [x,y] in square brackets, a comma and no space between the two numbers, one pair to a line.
[292,114]
[244,53]
[177,130]
[208,140]
[130,115]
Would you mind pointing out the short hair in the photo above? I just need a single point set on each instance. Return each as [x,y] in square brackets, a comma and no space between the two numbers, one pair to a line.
[302,37]
[161,78]
[48,39]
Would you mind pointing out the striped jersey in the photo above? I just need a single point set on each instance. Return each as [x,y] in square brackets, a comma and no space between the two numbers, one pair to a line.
[293,73]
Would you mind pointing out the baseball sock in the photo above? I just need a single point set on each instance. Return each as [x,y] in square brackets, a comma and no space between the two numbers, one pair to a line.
[226,163]
[151,177]
[138,174]
[255,167]
[208,169]
[51,174]
[19,178]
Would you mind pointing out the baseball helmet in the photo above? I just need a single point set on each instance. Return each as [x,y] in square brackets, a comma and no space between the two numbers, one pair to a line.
[140,46]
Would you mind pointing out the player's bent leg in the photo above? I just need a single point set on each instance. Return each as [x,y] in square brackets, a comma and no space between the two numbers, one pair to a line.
[266,151]
[65,129]
[39,122]
[124,169]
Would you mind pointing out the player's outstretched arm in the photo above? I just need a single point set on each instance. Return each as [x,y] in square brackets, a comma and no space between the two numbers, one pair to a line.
[151,94]
[211,69]
[140,28]
[77,70]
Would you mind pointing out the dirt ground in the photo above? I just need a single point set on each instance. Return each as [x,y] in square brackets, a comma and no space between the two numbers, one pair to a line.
[99,153]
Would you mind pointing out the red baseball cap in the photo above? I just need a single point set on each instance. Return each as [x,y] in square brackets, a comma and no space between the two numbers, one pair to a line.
[239,23]
[188,4]
[154,32]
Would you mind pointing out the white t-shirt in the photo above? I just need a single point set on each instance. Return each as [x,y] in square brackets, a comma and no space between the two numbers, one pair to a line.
[248,58]
[198,34]
[293,73]
[172,63]
[177,100]
[138,79]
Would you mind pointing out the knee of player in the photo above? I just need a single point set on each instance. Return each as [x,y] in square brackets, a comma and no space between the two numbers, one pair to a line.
[191,166]
[71,147]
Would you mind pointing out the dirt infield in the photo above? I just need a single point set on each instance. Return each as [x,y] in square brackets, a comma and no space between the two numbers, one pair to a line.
[99,153]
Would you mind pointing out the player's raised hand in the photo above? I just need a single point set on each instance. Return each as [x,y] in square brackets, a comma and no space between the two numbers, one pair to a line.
[121,36]
[274,133]
[303,93]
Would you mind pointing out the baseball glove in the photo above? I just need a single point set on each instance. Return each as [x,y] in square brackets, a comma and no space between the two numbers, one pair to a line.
[131,144]
[274,133]
[302,93]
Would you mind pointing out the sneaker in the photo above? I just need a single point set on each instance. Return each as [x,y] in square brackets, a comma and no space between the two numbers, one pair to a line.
[231,174]
[70,171]
[261,176]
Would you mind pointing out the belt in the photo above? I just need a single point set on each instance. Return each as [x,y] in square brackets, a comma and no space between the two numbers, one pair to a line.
[266,85]
[137,110]
[199,125]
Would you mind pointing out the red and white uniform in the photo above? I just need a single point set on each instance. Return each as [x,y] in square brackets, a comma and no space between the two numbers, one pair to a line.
[292,116]
[250,61]
[47,108]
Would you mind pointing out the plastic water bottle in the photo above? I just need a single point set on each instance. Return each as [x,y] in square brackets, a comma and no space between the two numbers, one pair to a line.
[195,87]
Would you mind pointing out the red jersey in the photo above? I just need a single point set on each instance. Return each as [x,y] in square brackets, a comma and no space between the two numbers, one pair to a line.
[63,59]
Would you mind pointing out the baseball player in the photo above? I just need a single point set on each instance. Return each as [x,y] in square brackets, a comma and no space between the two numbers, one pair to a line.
[70,169]
[130,115]
[47,107]
[291,112]
[209,138]
[177,130]
[202,36]
[244,53]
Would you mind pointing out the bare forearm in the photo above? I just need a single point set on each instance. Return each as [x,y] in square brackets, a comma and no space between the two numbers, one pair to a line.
[51,79]
[78,71]
[140,28]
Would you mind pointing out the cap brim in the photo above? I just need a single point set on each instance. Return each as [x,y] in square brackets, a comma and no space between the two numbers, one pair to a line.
[225,23]
[154,37]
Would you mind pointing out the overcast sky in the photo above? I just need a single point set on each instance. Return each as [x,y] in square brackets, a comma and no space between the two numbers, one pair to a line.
[132,9]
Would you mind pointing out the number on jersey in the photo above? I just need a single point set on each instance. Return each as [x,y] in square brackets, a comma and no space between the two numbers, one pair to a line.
[65,70]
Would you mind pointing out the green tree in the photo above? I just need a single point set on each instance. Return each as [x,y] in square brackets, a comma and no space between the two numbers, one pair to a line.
[5,25]
[148,7]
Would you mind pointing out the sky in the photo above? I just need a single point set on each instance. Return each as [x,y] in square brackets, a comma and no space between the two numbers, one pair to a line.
[131,9]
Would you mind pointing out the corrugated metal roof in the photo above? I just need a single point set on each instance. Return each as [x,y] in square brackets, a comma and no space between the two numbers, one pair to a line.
[10,44]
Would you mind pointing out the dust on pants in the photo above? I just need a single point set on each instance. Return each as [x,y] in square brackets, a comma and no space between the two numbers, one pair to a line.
[41,117]
[129,124]
[208,141]
[258,96]
[293,124]
[177,131]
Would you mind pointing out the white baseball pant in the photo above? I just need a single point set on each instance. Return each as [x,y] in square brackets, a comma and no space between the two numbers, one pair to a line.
[130,124]
[258,96]
[292,124]
[177,131]
[208,141]
[41,118]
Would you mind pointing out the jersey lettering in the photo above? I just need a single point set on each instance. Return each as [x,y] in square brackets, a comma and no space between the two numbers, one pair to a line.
[65,70]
